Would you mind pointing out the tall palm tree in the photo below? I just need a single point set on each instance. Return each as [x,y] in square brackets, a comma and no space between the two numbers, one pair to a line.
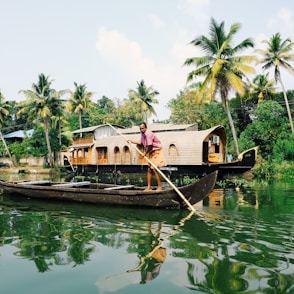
[80,101]
[4,112]
[4,109]
[144,96]
[222,68]
[277,55]
[41,105]
[262,87]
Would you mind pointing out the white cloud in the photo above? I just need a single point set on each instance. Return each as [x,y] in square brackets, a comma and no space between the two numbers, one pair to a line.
[156,21]
[119,50]
[127,57]
[259,41]
[197,9]
[282,20]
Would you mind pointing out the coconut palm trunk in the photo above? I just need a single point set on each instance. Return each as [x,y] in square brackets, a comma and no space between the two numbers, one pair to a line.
[287,105]
[232,126]
[50,155]
[80,122]
[7,150]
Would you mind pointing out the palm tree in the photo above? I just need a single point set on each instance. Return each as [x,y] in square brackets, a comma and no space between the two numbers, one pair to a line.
[222,68]
[42,104]
[277,54]
[80,101]
[4,111]
[262,87]
[144,96]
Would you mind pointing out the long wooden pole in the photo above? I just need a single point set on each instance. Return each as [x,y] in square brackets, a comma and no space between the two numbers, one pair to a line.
[159,171]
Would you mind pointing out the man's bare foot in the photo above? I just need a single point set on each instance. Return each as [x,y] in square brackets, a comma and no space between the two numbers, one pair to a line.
[159,189]
[148,190]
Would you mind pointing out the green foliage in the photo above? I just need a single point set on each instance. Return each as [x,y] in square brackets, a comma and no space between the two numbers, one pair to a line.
[20,149]
[267,126]
[80,101]
[274,169]
[144,97]
[186,110]
[283,169]
[283,149]
[241,110]
[126,114]
[2,149]
[37,143]
[264,169]
[73,121]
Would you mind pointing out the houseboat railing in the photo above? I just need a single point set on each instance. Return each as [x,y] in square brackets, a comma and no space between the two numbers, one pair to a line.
[85,140]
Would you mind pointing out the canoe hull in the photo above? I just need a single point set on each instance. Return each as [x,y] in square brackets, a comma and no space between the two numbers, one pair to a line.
[96,194]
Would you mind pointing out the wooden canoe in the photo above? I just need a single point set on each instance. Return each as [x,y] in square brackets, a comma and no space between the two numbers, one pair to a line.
[98,193]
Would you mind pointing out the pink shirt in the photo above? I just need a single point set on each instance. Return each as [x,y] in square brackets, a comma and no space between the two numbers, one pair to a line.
[148,138]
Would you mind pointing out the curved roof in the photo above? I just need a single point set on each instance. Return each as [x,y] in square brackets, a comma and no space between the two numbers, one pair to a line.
[189,144]
[92,129]
[161,127]
[19,134]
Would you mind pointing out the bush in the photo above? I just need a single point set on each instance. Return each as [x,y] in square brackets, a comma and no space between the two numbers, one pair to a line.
[284,148]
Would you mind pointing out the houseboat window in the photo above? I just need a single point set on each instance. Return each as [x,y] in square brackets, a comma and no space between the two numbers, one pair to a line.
[126,155]
[117,155]
[173,151]
[102,155]
[80,153]
[86,153]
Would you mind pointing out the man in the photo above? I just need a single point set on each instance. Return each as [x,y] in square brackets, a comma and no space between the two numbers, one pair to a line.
[154,152]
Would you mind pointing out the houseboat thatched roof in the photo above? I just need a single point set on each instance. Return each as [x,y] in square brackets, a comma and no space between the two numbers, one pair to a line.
[154,127]
[92,129]
[160,127]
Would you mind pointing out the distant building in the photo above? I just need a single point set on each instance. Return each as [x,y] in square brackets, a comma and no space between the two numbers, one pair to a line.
[18,135]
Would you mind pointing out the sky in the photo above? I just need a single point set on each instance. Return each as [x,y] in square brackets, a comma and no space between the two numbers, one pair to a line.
[110,45]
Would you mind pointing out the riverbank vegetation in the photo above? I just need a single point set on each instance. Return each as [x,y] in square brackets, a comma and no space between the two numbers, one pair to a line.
[254,112]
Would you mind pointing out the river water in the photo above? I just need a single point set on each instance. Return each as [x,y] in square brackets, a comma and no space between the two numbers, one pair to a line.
[238,241]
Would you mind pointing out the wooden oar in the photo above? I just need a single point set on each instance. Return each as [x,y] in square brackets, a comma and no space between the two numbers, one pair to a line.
[159,171]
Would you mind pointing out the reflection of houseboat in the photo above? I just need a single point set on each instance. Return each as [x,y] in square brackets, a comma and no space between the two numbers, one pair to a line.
[187,151]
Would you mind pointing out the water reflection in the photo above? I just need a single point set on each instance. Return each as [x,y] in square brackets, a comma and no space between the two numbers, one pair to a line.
[240,241]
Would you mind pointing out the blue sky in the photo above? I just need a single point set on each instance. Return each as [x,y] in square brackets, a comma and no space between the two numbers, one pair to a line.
[110,45]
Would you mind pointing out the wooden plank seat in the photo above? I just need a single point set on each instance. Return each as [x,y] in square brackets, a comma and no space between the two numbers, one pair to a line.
[119,187]
[72,185]
[45,182]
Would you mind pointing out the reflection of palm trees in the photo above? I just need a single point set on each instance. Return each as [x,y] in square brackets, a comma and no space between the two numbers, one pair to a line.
[79,249]
[236,260]
[45,239]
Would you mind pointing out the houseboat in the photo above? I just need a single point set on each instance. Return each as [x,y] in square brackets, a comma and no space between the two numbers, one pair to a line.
[188,151]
